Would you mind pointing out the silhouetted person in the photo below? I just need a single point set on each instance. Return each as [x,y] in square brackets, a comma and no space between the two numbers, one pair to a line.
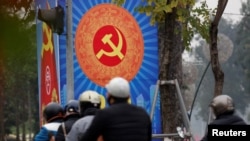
[53,116]
[224,112]
[71,111]
[120,121]
[90,102]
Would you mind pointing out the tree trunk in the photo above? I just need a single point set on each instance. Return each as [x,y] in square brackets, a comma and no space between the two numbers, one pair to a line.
[171,68]
[24,111]
[218,73]
[17,114]
[17,132]
[29,112]
[23,132]
[1,97]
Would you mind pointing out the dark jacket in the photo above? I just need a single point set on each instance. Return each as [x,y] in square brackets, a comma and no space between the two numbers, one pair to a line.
[226,119]
[120,122]
[68,122]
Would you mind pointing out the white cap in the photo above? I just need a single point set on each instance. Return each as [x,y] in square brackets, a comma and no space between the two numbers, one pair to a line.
[118,87]
[221,104]
[90,96]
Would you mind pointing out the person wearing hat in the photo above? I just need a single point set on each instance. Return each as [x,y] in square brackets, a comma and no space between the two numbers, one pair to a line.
[224,112]
[120,121]
[53,116]
[89,103]
[71,111]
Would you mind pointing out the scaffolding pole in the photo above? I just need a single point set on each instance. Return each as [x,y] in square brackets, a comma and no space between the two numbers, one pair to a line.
[69,54]
[182,107]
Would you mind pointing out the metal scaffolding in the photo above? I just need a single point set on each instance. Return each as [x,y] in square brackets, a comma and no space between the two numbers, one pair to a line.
[180,132]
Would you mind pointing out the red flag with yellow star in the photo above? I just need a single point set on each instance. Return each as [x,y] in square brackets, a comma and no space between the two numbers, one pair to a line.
[49,82]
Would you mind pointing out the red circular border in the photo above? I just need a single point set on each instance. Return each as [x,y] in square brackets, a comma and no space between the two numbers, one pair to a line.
[97,17]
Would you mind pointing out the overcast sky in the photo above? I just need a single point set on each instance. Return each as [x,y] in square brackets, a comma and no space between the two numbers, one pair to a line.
[232,10]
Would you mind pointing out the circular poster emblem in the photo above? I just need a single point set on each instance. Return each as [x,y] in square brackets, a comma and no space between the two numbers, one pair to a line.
[109,43]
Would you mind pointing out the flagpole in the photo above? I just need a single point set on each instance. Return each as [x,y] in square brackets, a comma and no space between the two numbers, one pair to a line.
[69,53]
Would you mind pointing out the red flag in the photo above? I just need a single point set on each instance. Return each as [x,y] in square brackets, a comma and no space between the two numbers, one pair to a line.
[49,82]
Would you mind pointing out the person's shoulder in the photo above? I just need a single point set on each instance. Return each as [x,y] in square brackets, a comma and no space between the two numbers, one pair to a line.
[52,126]
[106,112]
[72,116]
[83,119]
[238,120]
[45,133]
[70,121]
[138,108]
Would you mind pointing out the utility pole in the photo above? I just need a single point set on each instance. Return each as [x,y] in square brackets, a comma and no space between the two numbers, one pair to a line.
[69,53]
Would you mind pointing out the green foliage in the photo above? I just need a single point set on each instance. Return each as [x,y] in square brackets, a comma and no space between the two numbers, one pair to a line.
[194,19]
[15,6]
[118,2]
[18,45]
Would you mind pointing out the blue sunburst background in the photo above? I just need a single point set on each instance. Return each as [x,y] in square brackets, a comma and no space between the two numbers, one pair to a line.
[143,84]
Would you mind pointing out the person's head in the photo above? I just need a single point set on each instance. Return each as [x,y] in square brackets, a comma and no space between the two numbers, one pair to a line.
[72,107]
[89,99]
[222,104]
[53,111]
[118,90]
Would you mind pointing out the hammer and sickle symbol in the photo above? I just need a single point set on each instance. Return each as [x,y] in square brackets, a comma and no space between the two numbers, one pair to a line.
[116,49]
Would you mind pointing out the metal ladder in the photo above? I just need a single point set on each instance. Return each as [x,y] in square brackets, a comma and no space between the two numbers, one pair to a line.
[187,134]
